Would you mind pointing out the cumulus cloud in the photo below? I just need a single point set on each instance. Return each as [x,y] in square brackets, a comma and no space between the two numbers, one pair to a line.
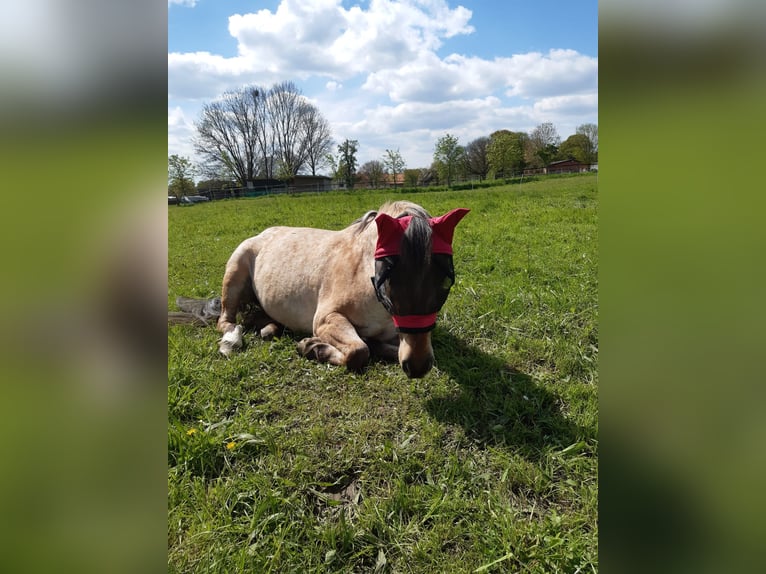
[384,79]
[322,38]
[180,132]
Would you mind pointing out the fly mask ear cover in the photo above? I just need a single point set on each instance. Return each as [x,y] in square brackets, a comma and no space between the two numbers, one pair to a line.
[388,248]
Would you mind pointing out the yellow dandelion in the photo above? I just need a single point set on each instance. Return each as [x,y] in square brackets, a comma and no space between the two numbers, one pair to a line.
[231,445]
[191,431]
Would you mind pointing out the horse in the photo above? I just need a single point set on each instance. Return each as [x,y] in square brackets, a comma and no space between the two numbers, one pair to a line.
[366,290]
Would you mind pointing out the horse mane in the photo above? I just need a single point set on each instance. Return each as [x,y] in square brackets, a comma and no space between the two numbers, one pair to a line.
[416,242]
[392,208]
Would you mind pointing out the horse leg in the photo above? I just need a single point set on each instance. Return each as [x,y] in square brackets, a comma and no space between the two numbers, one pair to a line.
[385,350]
[255,318]
[236,288]
[336,342]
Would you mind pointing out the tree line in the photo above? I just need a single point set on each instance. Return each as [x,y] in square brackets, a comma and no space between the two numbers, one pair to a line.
[255,133]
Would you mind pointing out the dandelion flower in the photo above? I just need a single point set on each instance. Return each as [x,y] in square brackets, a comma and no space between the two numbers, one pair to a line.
[231,445]
[191,431]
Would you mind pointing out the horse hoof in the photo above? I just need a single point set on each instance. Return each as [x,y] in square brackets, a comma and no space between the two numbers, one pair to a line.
[270,331]
[231,341]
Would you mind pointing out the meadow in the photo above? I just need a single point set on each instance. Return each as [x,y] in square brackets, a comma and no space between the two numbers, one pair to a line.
[488,464]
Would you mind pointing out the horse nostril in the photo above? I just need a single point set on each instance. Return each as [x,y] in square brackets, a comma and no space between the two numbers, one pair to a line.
[414,371]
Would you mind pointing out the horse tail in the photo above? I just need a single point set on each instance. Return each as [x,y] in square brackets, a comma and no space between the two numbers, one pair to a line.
[198,312]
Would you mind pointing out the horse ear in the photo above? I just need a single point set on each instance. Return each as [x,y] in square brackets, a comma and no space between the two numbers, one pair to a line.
[390,232]
[444,226]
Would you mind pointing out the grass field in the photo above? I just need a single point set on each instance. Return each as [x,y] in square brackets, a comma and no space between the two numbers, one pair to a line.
[488,464]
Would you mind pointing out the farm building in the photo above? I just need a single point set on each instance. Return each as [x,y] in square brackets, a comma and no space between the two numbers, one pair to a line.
[570,165]
[310,183]
[386,180]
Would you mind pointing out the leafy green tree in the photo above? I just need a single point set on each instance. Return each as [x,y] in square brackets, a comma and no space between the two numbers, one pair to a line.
[180,176]
[332,164]
[576,146]
[394,163]
[412,177]
[347,162]
[448,155]
[505,152]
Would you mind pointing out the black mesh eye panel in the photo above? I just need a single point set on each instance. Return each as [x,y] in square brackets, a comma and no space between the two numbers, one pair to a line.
[383,268]
[413,292]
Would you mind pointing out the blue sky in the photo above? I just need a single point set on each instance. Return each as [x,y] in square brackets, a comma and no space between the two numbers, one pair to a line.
[392,74]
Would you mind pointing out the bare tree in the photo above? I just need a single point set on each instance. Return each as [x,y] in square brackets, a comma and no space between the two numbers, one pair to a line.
[287,110]
[220,137]
[253,133]
[317,136]
[590,131]
[476,160]
[544,141]
[374,171]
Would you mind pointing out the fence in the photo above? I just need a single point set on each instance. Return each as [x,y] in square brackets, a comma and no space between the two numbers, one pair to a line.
[320,187]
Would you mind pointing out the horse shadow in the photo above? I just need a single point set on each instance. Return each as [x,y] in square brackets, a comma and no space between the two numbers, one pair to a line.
[496,404]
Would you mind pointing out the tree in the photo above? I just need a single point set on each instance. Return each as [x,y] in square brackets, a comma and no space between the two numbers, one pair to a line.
[447,155]
[226,133]
[318,139]
[412,177]
[374,171]
[394,163]
[543,144]
[590,131]
[505,152]
[576,146]
[476,160]
[288,111]
[347,161]
[332,164]
[257,133]
[180,173]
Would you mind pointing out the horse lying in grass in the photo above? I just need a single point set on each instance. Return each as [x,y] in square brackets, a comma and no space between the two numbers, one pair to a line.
[318,281]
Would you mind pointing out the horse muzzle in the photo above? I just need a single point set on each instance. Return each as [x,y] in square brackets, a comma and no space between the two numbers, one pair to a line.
[416,356]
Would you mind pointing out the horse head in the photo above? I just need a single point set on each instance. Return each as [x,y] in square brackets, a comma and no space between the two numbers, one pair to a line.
[413,277]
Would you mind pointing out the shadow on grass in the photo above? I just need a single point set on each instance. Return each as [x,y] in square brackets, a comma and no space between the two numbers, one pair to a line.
[497,404]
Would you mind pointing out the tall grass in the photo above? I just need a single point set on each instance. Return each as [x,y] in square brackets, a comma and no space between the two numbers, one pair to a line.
[489,464]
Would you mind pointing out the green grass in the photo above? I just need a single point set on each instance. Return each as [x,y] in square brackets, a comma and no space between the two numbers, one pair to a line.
[489,464]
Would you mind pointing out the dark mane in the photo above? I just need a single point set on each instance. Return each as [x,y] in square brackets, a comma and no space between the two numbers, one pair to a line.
[416,244]
[392,208]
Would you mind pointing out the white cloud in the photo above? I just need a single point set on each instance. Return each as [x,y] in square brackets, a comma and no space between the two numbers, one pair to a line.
[320,37]
[576,104]
[381,80]
[180,133]
[187,3]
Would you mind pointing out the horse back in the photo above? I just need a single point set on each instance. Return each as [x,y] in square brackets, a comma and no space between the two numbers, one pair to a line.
[291,268]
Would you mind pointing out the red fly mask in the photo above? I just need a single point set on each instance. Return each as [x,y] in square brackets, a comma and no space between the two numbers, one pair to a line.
[413,267]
